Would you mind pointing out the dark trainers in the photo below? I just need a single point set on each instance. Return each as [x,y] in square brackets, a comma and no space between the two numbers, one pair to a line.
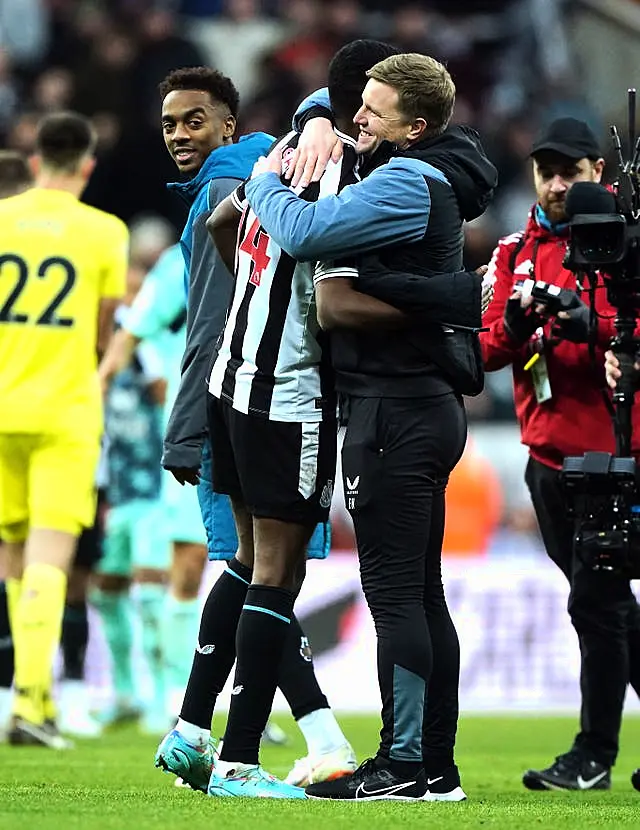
[371,782]
[571,771]
[444,787]
[25,733]
[635,779]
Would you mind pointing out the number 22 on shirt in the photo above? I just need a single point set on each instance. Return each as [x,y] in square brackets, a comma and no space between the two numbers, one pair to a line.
[59,276]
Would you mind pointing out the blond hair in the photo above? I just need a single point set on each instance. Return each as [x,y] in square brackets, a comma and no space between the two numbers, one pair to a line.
[424,86]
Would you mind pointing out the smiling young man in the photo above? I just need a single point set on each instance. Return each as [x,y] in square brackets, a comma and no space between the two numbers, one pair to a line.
[199,108]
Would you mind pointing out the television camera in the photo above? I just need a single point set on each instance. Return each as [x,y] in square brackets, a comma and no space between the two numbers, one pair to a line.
[601,489]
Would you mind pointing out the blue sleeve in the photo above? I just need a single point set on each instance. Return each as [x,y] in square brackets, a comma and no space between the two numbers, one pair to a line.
[389,207]
[320,98]
[200,205]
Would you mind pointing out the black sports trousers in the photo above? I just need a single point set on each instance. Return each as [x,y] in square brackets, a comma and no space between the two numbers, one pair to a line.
[396,459]
[605,615]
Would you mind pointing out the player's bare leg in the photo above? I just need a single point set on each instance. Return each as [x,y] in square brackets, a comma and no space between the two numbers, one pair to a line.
[181,617]
[152,587]
[112,600]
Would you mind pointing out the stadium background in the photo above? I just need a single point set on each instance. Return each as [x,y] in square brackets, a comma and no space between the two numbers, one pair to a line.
[516,64]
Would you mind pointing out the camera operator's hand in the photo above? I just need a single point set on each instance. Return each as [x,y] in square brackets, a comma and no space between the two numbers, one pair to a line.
[612,369]
[573,324]
[520,319]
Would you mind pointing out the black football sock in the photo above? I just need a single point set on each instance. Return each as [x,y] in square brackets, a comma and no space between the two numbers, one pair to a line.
[297,679]
[74,640]
[6,643]
[216,649]
[262,635]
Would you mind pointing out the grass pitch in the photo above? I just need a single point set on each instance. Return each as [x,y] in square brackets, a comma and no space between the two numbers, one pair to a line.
[111,784]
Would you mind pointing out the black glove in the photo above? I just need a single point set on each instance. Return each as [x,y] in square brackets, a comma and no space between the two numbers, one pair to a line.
[520,323]
[576,327]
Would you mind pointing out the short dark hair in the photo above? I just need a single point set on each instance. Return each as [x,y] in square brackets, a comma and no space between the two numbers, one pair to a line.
[219,87]
[63,139]
[15,175]
[348,73]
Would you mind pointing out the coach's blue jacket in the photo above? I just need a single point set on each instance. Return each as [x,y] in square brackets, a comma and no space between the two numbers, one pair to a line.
[408,210]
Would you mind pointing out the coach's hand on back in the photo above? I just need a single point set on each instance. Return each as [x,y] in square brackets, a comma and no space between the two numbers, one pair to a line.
[318,145]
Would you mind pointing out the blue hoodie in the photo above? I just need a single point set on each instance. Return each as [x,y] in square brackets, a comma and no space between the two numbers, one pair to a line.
[208,287]
[223,169]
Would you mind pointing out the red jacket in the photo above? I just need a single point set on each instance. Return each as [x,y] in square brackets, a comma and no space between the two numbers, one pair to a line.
[576,419]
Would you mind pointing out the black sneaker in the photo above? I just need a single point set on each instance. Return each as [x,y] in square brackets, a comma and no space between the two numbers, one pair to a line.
[25,733]
[444,787]
[571,771]
[372,781]
[635,779]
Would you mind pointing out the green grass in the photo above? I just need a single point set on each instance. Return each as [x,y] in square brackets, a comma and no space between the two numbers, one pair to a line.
[111,784]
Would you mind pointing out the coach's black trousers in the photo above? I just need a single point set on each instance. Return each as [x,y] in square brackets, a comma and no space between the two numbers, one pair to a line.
[605,615]
[396,459]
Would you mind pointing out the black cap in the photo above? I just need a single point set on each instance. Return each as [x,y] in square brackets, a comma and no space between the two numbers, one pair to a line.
[569,136]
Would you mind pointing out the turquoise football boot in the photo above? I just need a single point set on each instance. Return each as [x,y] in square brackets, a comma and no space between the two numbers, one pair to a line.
[189,762]
[251,782]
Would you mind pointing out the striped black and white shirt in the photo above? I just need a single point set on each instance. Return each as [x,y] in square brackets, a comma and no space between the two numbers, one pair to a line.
[271,361]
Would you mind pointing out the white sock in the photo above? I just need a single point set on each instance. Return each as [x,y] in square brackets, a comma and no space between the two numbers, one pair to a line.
[174,698]
[196,735]
[6,702]
[322,732]
[74,697]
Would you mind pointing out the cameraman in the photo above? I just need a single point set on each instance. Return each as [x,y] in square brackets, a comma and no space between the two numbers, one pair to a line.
[561,411]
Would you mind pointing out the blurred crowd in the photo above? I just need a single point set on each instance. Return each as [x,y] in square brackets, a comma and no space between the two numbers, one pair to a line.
[104,58]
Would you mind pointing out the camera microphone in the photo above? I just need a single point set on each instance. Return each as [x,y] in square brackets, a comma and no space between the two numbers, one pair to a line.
[589,198]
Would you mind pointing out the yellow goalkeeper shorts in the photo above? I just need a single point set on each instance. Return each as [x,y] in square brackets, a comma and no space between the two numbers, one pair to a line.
[47,481]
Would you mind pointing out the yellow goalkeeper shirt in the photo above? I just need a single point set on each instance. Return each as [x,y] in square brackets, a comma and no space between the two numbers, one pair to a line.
[58,259]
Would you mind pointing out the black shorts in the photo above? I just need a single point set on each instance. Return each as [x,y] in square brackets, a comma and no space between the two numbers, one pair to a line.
[89,547]
[279,470]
